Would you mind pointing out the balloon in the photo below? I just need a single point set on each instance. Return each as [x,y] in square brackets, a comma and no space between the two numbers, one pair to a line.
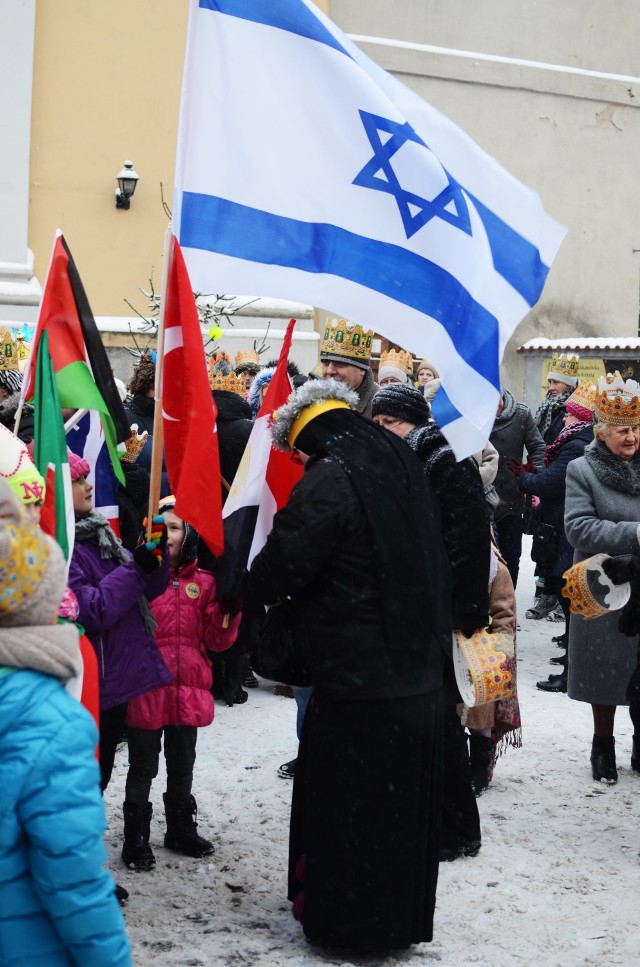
[215,332]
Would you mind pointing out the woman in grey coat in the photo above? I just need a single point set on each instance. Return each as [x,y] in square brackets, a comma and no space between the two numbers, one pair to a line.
[603,515]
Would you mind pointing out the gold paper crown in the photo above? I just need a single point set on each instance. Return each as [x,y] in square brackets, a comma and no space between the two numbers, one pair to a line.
[581,595]
[233,383]
[487,677]
[244,356]
[135,445]
[9,355]
[399,358]
[342,338]
[566,365]
[584,395]
[618,401]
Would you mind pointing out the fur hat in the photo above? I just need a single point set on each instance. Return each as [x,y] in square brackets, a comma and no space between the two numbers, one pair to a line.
[32,567]
[425,364]
[313,398]
[402,401]
[78,466]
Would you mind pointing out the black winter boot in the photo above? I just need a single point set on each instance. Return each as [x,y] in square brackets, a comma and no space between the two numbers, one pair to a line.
[603,759]
[480,754]
[136,852]
[182,828]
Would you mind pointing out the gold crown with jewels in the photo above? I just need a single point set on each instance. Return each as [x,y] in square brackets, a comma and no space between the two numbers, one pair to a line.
[564,365]
[618,401]
[591,597]
[399,358]
[134,445]
[9,355]
[233,383]
[348,340]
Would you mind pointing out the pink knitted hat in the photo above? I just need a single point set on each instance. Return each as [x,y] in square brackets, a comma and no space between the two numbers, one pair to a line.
[78,466]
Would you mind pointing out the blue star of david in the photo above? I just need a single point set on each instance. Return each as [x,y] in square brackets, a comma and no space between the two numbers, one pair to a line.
[449,205]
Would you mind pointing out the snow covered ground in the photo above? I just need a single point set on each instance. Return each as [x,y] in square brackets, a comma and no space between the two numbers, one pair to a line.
[555,883]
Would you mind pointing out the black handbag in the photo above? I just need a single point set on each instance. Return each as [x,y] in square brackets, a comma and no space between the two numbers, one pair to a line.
[274,654]
[544,548]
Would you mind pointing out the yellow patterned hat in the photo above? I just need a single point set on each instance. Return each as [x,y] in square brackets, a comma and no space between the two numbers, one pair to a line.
[589,590]
[618,401]
[480,664]
[582,401]
[346,342]
[32,567]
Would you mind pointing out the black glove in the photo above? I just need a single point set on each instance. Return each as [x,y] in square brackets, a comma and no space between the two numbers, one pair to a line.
[148,554]
[629,621]
[232,607]
[621,568]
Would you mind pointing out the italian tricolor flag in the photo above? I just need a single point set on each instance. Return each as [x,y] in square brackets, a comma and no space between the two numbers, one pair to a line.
[83,374]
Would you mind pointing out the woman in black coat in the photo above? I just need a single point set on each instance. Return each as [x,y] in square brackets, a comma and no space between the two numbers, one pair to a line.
[358,551]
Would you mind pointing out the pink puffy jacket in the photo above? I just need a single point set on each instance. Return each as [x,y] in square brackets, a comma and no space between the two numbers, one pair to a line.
[189,621]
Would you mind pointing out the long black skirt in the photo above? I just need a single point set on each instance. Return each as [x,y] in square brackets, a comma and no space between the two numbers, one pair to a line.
[365,822]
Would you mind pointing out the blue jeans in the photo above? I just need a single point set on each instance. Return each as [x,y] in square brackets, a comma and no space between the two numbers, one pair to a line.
[302,696]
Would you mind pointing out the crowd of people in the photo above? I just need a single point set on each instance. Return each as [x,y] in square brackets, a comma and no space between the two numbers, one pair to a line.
[388,555]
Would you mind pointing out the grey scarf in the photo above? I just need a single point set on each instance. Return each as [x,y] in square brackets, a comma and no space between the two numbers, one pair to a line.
[95,527]
[612,471]
[50,649]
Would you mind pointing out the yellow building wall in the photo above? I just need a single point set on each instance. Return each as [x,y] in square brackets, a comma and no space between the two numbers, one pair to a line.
[107,80]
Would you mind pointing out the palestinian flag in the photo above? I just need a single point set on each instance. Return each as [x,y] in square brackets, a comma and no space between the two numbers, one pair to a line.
[50,454]
[83,373]
[260,488]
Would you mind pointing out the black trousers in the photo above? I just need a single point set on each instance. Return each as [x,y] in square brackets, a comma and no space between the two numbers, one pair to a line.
[460,816]
[144,758]
[111,729]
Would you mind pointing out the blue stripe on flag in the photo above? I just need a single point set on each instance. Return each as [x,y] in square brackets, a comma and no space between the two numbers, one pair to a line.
[444,412]
[282,14]
[514,258]
[217,225]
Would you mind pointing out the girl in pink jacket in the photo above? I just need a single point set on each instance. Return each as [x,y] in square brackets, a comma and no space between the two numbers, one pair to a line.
[191,621]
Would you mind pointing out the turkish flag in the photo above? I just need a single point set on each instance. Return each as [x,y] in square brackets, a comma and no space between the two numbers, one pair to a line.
[189,412]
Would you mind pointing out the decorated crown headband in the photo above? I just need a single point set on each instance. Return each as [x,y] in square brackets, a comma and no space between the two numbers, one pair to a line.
[399,358]
[618,401]
[567,365]
[134,445]
[593,598]
[9,354]
[350,340]
[584,395]
[233,383]
[244,356]
[481,668]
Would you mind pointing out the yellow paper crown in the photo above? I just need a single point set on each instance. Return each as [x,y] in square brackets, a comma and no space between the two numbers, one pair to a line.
[9,355]
[399,358]
[563,364]
[244,356]
[348,340]
[584,395]
[481,667]
[582,594]
[233,383]
[618,401]
[135,445]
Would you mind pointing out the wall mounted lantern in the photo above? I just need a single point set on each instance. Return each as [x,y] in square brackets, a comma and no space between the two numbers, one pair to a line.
[127,180]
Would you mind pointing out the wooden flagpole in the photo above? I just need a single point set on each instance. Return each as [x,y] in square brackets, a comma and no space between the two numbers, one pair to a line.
[158,434]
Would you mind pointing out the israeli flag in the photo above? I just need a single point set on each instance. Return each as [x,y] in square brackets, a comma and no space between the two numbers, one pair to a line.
[306,172]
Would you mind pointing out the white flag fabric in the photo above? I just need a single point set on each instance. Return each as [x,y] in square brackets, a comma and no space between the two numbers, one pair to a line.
[306,172]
